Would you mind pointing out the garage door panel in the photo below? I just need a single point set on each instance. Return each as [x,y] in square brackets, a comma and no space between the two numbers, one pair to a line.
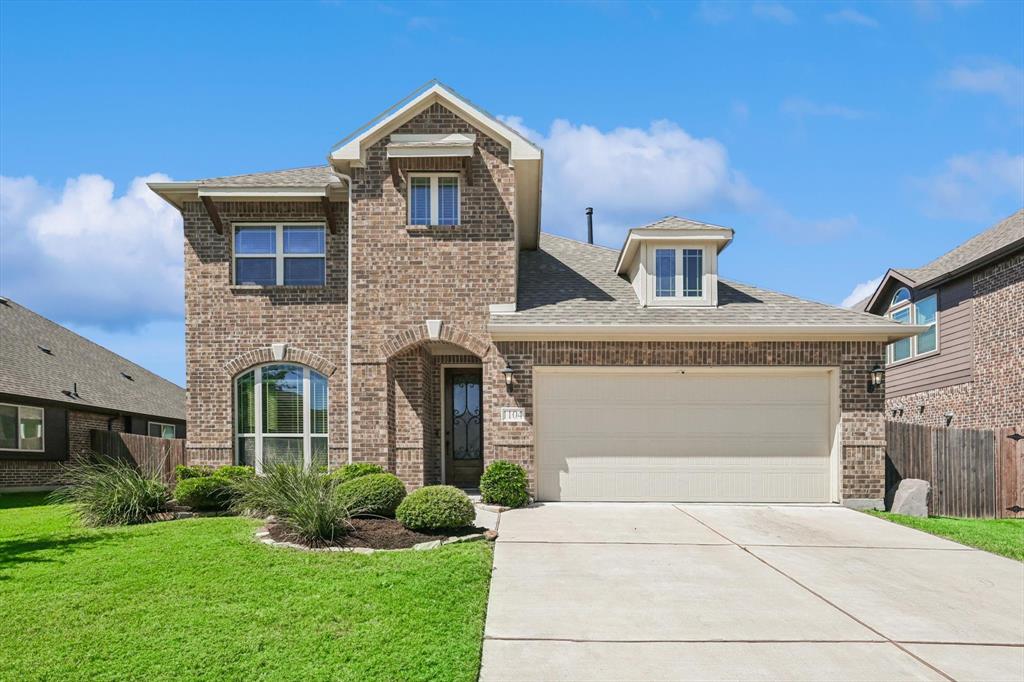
[683,437]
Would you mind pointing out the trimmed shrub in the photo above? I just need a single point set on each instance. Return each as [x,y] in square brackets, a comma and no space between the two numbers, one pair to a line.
[436,507]
[182,471]
[303,502]
[504,483]
[348,472]
[206,493]
[110,492]
[373,495]
[235,472]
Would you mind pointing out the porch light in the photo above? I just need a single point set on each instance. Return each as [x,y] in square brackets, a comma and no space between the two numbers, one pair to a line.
[507,373]
[877,376]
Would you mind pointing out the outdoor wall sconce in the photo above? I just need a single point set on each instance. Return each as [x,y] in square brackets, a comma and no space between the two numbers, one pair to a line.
[949,418]
[507,373]
[877,377]
[920,408]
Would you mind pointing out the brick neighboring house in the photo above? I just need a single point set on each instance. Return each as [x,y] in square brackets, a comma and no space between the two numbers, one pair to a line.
[56,387]
[967,369]
[400,305]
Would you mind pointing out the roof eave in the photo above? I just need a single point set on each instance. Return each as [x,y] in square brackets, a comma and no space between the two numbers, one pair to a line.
[891,273]
[505,331]
[975,264]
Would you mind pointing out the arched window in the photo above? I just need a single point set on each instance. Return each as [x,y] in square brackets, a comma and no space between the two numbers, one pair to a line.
[281,417]
[902,295]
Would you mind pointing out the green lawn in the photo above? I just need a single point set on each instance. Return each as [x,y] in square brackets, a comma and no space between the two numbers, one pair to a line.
[200,599]
[999,536]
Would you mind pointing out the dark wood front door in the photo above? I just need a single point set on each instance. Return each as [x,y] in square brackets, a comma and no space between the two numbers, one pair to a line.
[463,427]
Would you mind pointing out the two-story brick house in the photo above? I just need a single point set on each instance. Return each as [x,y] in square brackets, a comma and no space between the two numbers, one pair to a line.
[400,305]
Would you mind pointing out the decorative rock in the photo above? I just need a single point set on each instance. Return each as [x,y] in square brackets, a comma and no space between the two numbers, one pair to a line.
[493,508]
[184,514]
[911,498]
[432,544]
[490,535]
[361,550]
[464,538]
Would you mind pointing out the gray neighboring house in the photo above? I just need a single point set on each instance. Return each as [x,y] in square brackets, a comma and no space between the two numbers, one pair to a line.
[967,369]
[56,387]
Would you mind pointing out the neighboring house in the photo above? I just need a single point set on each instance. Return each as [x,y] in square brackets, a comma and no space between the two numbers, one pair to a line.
[56,387]
[967,369]
[399,305]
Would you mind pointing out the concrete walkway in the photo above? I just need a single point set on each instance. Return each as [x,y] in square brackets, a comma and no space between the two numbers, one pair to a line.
[744,592]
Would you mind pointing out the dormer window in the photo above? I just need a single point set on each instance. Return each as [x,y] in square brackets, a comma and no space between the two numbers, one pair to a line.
[679,273]
[434,198]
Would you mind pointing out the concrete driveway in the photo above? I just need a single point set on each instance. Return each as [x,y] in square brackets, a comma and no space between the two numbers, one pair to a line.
[703,592]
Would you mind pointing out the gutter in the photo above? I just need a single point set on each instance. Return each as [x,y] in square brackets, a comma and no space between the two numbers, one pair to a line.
[704,332]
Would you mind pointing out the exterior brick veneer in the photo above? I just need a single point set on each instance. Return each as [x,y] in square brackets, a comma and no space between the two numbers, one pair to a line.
[993,398]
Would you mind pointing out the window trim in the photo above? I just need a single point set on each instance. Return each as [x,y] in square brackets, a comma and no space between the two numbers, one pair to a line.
[17,427]
[161,425]
[258,434]
[435,204]
[707,281]
[279,255]
[911,306]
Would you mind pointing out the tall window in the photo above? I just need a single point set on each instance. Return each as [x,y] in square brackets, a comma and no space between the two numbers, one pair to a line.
[21,428]
[905,311]
[679,273]
[289,255]
[434,199]
[281,417]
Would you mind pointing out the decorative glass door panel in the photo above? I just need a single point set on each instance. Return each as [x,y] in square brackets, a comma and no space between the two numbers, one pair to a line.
[464,427]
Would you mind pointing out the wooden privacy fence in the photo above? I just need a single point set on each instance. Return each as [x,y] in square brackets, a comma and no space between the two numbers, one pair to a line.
[972,472]
[150,454]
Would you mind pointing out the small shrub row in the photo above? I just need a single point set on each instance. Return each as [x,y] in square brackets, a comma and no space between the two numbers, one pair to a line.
[208,489]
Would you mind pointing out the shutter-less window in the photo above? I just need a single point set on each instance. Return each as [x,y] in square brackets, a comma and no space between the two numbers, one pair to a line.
[419,200]
[448,201]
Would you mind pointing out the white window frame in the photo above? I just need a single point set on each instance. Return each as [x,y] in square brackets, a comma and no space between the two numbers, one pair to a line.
[279,255]
[162,425]
[258,435]
[17,427]
[435,204]
[707,281]
[911,305]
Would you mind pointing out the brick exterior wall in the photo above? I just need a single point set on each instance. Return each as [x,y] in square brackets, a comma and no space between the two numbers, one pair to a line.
[993,398]
[21,473]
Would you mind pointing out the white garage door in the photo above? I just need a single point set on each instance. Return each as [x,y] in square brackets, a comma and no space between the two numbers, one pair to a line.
[693,435]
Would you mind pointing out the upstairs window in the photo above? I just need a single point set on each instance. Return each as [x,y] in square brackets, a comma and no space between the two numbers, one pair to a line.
[679,273]
[905,311]
[434,198]
[280,255]
[21,428]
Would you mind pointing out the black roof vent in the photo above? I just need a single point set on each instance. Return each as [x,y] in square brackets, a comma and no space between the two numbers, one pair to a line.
[5,301]
[127,376]
[44,349]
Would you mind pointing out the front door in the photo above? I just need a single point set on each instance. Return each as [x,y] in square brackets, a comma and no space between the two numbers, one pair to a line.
[463,427]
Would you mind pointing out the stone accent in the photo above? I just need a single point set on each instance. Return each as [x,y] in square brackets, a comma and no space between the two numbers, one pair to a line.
[417,334]
[259,356]
[911,498]
[993,398]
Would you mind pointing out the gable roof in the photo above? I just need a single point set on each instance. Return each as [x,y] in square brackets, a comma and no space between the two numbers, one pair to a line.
[570,288]
[27,370]
[1001,239]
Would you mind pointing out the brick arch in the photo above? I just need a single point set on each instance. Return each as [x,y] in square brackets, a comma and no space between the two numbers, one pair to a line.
[417,334]
[261,356]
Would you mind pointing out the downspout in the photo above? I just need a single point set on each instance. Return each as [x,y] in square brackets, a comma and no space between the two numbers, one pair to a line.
[348,309]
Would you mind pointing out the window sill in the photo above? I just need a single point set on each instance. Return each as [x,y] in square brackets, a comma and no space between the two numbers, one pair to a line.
[432,228]
[907,361]
[246,288]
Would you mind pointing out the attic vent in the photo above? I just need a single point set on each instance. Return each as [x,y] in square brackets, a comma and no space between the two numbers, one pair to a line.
[127,376]
[5,301]
[44,349]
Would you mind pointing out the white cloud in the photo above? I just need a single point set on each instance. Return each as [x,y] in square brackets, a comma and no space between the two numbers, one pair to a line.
[976,186]
[773,11]
[715,12]
[851,16]
[989,78]
[801,107]
[860,292]
[87,256]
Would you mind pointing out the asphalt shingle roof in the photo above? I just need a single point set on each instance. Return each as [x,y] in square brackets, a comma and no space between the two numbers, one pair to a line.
[26,370]
[570,282]
[294,177]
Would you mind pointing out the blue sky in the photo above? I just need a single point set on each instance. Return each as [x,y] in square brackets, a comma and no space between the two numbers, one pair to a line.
[836,138]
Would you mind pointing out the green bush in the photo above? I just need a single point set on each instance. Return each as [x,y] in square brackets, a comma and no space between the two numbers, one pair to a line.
[373,495]
[182,471]
[109,492]
[207,493]
[303,502]
[235,472]
[348,472]
[436,507]
[504,483]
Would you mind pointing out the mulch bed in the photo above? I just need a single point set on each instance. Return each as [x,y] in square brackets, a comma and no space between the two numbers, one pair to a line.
[380,534]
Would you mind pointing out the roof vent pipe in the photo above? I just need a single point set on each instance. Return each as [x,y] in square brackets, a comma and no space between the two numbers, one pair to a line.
[590,225]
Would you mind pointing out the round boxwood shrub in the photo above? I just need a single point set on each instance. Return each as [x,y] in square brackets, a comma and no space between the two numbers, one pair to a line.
[436,507]
[207,493]
[504,483]
[354,470]
[373,495]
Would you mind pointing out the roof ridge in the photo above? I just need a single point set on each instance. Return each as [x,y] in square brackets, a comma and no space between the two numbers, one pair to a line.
[93,343]
[578,241]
